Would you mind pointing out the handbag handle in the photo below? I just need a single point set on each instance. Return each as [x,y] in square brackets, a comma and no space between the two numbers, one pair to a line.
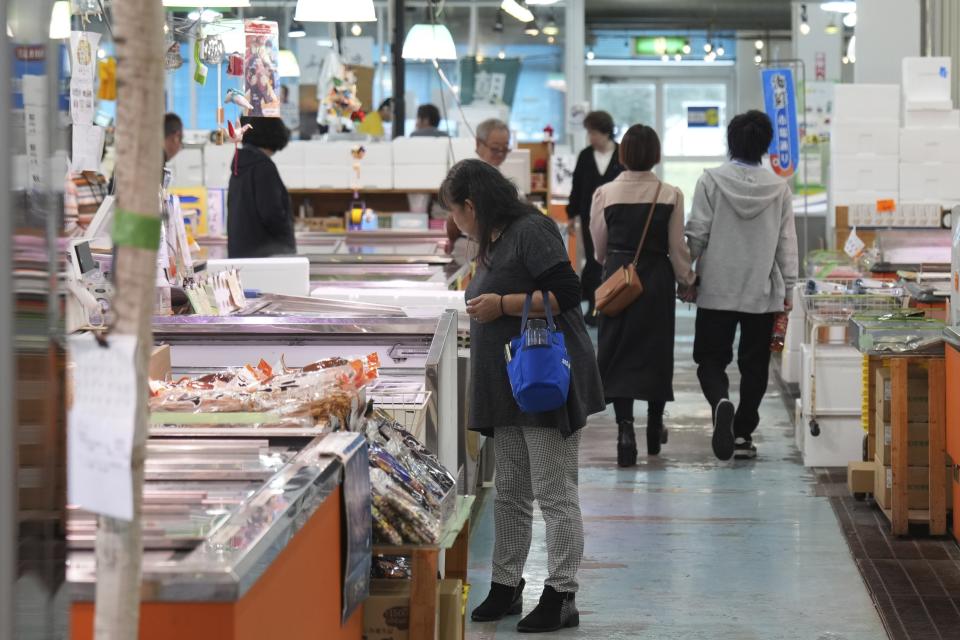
[646,226]
[528,302]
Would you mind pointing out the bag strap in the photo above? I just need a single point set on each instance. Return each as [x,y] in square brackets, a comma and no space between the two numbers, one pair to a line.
[646,226]
[528,303]
[526,311]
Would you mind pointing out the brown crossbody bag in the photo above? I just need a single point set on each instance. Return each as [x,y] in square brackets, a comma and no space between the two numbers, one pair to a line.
[623,286]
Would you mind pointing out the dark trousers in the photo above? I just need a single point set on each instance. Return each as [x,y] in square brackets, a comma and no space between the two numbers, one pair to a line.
[713,351]
[592,274]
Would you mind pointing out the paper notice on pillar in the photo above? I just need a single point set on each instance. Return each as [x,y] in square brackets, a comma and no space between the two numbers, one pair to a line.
[83,58]
[35,131]
[101,425]
[87,148]
[82,101]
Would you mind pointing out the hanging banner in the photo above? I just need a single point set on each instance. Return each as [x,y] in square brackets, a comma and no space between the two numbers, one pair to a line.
[489,82]
[261,77]
[780,102]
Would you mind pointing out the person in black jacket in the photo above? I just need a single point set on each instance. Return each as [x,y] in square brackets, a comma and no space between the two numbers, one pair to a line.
[597,165]
[259,213]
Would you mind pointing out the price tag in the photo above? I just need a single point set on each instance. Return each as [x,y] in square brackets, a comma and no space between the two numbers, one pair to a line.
[854,246]
[886,206]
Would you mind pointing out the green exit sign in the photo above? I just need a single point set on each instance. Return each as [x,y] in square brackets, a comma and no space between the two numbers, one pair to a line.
[657,45]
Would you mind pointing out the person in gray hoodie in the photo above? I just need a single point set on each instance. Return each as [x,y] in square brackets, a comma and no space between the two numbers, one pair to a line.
[742,236]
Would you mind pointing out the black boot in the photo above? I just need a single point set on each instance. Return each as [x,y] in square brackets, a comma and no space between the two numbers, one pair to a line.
[556,611]
[502,601]
[626,444]
[656,434]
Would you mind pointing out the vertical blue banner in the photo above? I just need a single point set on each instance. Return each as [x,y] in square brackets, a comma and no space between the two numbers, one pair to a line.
[780,101]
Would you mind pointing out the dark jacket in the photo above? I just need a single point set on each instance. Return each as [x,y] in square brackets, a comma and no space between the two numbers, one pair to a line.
[259,213]
[586,180]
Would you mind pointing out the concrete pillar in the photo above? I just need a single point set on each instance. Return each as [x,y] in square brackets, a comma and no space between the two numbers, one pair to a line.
[749,92]
[573,63]
[887,31]
[943,34]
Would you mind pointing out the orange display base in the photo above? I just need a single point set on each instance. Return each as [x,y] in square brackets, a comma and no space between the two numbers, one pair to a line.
[297,598]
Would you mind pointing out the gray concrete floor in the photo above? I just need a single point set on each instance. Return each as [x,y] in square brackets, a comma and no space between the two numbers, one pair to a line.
[685,546]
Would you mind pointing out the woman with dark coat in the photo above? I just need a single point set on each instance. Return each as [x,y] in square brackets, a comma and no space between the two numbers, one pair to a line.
[521,252]
[635,350]
[597,165]
[259,213]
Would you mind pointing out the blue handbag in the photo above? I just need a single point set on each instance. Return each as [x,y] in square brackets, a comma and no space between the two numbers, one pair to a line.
[537,363]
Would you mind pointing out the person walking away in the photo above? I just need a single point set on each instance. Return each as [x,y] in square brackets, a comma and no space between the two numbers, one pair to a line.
[259,213]
[520,251]
[597,165]
[635,348]
[428,121]
[742,235]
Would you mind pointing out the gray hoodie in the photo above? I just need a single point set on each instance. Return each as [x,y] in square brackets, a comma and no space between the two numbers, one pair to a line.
[741,233]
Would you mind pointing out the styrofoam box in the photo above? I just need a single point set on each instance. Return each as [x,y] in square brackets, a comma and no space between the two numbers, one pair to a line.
[871,139]
[462,149]
[862,173]
[293,177]
[905,215]
[930,145]
[293,155]
[790,366]
[325,153]
[929,182]
[927,105]
[926,78]
[217,164]
[288,275]
[840,441]
[926,214]
[794,337]
[838,379]
[861,103]
[931,119]
[421,151]
[336,176]
[418,176]
[844,197]
[376,176]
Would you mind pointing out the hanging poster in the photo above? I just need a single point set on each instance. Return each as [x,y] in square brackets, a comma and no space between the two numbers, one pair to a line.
[489,82]
[83,65]
[261,77]
[779,97]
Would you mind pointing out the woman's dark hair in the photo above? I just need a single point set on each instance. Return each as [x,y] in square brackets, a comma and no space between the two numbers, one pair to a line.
[640,148]
[599,121]
[386,104]
[495,199]
[748,136]
[429,113]
[267,133]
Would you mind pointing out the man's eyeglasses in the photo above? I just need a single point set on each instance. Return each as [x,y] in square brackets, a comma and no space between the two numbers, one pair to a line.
[500,151]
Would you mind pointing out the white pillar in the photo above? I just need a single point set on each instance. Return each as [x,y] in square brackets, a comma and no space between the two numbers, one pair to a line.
[749,92]
[573,64]
[472,38]
[887,31]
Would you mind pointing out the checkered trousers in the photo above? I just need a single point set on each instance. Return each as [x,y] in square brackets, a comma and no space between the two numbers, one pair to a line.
[537,463]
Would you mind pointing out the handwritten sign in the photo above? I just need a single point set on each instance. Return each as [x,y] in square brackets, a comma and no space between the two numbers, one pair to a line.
[101,424]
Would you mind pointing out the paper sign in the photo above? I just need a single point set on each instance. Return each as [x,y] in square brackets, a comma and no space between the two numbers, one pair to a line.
[886,206]
[35,123]
[854,246]
[82,104]
[261,67]
[101,425]
[83,54]
[87,148]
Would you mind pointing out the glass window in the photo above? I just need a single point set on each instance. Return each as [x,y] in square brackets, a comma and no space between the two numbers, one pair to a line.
[628,103]
[695,117]
[684,175]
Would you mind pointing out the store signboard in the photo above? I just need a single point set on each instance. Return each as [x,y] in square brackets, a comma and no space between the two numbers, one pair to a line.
[658,45]
[703,117]
[780,102]
[261,68]
[489,82]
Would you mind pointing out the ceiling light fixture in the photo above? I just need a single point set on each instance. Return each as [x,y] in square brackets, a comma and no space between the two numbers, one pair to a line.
[480,58]
[804,21]
[429,42]
[852,49]
[758,45]
[551,28]
[532,29]
[517,9]
[498,22]
[331,11]
[502,55]
[60,20]
[708,47]
[850,20]
[356,30]
[832,29]
[296,30]
[677,58]
[591,55]
[665,58]
[686,47]
[551,40]
[845,60]
[839,6]
[721,51]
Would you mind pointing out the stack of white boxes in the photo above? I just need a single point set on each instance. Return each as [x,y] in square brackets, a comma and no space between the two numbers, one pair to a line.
[864,148]
[421,163]
[929,142]
[790,359]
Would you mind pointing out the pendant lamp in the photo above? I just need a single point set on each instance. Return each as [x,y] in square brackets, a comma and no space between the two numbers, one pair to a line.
[429,42]
[335,11]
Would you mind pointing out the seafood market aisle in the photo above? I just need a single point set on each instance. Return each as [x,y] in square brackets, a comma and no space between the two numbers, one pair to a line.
[686,547]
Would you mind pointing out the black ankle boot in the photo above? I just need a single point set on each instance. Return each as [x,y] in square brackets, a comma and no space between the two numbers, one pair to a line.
[656,434]
[555,611]
[502,601]
[626,444]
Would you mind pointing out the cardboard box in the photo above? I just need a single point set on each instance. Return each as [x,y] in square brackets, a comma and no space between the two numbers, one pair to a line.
[451,610]
[386,612]
[929,145]
[918,409]
[860,477]
[931,119]
[926,78]
[918,444]
[160,363]
[849,138]
[861,103]
[918,486]
[931,181]
[865,173]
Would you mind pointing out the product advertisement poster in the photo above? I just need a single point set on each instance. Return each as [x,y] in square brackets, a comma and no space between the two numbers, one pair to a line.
[780,102]
[261,76]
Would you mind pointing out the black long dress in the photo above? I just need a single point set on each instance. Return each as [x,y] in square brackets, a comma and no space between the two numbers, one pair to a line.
[586,179]
[635,349]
